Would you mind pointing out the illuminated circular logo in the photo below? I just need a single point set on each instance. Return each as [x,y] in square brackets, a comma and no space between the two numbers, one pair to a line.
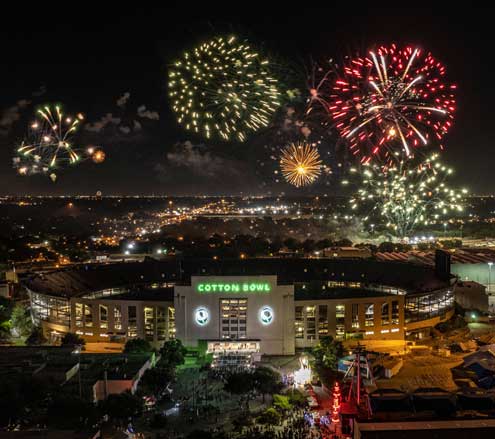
[202,316]
[266,315]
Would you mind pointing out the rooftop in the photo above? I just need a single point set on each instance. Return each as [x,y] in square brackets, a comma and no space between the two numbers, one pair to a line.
[56,363]
[82,279]
[146,294]
[337,293]
[459,256]
[452,424]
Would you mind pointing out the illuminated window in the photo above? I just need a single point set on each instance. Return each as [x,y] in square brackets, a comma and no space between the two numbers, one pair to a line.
[369,314]
[322,320]
[88,316]
[340,322]
[117,317]
[299,322]
[161,323]
[132,321]
[234,318]
[355,316]
[103,316]
[395,312]
[79,315]
[171,323]
[50,309]
[310,322]
[149,323]
[385,313]
[427,306]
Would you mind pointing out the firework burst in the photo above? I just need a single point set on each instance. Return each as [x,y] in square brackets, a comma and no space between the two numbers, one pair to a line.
[319,85]
[223,88]
[407,195]
[300,164]
[49,144]
[394,99]
[96,154]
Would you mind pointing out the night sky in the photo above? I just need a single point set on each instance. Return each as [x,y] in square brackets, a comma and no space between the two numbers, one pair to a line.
[87,56]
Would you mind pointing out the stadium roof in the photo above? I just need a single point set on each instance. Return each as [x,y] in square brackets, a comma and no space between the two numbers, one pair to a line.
[82,279]
[464,256]
[147,294]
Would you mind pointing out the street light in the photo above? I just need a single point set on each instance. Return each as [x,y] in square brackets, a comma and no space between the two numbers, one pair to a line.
[490,277]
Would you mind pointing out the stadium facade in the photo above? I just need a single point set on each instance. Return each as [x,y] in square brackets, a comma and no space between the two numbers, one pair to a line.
[267,306]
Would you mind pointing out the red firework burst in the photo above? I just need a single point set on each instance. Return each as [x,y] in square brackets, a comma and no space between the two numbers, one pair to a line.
[394,99]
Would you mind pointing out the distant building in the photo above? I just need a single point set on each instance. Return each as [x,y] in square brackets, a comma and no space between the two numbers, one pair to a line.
[468,264]
[9,281]
[94,376]
[431,429]
[471,296]
[346,252]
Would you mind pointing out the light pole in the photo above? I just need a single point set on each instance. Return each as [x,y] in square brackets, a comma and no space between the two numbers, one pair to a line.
[490,277]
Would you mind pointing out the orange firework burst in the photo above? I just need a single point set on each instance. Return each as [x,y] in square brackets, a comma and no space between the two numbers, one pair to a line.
[300,164]
[98,156]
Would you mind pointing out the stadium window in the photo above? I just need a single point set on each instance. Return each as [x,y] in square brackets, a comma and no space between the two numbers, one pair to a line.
[103,316]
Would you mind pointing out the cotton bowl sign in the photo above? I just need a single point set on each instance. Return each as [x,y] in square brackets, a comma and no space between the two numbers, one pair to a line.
[233,287]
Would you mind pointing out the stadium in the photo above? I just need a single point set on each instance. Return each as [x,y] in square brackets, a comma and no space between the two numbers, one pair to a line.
[264,306]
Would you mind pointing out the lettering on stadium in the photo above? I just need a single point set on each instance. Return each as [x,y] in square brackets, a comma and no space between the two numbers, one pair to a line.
[235,287]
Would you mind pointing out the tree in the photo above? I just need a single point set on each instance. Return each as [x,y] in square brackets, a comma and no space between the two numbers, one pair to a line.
[155,380]
[309,246]
[36,337]
[71,339]
[296,398]
[21,321]
[22,396]
[386,247]
[270,416]
[344,242]
[282,402]
[172,354]
[292,244]
[158,421]
[327,353]
[5,315]
[11,403]
[137,346]
[239,383]
[242,384]
[266,381]
[199,434]
[69,411]
[243,419]
[323,244]
[451,243]
[122,406]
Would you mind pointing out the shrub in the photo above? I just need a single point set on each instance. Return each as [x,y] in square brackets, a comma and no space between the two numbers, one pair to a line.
[270,417]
